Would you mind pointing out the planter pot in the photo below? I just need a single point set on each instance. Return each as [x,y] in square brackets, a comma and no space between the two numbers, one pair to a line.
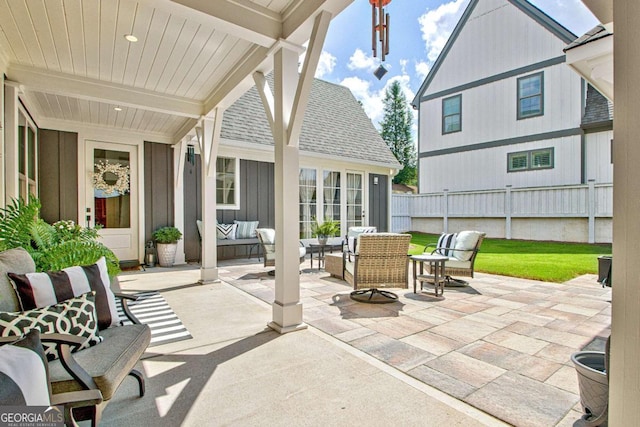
[167,254]
[594,387]
[322,240]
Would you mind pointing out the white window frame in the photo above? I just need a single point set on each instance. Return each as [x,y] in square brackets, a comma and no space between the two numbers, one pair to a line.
[27,185]
[540,95]
[236,185]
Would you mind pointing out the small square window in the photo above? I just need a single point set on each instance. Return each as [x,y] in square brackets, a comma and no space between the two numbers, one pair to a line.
[531,96]
[452,114]
[541,159]
[518,161]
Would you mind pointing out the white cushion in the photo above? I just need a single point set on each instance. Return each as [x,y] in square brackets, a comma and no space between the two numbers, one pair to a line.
[272,255]
[352,237]
[454,262]
[465,242]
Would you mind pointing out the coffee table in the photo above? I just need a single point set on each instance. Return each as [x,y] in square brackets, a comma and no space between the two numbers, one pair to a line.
[436,267]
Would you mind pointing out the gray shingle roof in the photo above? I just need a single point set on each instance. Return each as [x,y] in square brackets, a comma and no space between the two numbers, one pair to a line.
[593,34]
[598,110]
[334,124]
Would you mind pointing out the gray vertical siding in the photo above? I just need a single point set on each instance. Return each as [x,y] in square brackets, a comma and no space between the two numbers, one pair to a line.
[256,204]
[158,187]
[58,175]
[378,202]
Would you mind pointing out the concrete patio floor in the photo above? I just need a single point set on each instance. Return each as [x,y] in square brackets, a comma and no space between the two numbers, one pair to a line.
[501,346]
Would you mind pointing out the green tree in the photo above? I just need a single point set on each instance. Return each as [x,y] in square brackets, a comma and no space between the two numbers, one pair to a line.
[396,132]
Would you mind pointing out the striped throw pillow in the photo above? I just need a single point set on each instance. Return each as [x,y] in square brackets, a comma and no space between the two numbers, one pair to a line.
[246,229]
[36,290]
[446,242]
[24,377]
[226,231]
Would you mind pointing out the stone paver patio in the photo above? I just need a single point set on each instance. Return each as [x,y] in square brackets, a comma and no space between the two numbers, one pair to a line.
[501,344]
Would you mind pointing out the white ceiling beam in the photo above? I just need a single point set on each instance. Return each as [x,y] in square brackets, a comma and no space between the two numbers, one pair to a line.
[187,130]
[239,80]
[240,18]
[311,59]
[95,90]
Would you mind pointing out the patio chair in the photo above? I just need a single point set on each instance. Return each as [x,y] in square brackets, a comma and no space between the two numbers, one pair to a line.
[380,261]
[267,238]
[350,244]
[462,249]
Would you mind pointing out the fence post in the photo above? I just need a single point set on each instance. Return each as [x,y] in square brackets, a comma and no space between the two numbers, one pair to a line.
[592,210]
[445,207]
[507,213]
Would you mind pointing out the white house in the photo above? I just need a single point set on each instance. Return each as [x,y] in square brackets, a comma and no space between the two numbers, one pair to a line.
[501,109]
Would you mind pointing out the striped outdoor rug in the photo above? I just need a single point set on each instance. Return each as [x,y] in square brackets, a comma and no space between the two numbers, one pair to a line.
[152,309]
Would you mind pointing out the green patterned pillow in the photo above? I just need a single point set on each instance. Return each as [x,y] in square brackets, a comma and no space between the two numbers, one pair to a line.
[246,229]
[76,316]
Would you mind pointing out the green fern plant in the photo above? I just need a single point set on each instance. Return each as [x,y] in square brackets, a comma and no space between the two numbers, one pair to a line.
[52,247]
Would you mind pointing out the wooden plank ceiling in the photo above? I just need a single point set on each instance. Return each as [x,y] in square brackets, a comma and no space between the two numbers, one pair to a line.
[74,65]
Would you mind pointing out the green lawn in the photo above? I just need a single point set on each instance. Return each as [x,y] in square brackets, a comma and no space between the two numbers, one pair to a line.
[547,261]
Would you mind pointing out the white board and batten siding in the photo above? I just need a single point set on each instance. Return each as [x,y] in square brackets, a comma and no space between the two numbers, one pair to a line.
[598,156]
[499,38]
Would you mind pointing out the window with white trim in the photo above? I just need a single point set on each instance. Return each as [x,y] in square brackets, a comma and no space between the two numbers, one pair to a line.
[331,195]
[530,160]
[452,114]
[531,96]
[27,156]
[307,182]
[227,180]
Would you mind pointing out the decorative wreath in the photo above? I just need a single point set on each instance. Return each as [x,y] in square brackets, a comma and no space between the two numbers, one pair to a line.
[122,172]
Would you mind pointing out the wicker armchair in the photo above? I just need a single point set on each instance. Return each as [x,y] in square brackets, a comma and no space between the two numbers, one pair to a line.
[267,236]
[380,262]
[462,256]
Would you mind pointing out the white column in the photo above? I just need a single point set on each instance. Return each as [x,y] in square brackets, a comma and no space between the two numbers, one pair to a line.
[178,196]
[12,189]
[2,151]
[208,153]
[507,212]
[287,308]
[624,385]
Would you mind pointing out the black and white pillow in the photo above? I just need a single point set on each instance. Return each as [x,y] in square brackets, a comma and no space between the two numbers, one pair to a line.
[76,316]
[226,231]
[246,229]
[36,290]
[24,376]
[446,243]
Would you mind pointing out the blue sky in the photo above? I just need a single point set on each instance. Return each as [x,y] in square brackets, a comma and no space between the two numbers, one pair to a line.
[419,30]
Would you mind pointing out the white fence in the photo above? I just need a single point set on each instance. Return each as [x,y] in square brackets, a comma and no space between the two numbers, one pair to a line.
[573,213]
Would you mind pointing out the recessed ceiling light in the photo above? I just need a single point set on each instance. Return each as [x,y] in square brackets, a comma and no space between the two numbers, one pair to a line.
[131,38]
[117,108]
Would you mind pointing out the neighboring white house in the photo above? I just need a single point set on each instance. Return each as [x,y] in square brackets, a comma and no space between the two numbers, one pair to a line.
[501,109]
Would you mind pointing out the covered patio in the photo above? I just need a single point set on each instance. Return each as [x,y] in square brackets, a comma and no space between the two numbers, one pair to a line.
[496,351]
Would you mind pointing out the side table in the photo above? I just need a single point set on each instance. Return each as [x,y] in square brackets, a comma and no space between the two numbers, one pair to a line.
[436,267]
[318,249]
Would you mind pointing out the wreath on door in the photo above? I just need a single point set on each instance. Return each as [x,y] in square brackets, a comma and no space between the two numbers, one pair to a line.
[111,177]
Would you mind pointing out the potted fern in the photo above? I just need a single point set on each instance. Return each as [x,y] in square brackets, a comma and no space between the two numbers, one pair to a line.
[167,244]
[328,228]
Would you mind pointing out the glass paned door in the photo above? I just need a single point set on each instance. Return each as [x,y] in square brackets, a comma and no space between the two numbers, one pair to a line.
[111,196]
[355,202]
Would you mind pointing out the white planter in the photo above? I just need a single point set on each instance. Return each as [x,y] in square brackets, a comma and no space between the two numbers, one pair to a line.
[166,254]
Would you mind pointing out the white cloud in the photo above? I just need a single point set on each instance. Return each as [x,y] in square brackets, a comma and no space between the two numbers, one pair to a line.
[372,100]
[326,63]
[437,24]
[361,61]
[422,69]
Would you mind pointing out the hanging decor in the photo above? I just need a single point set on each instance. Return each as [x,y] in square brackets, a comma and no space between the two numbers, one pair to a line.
[110,177]
[191,154]
[379,28]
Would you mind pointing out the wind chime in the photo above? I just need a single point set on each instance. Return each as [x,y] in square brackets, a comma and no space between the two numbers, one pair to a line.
[379,32]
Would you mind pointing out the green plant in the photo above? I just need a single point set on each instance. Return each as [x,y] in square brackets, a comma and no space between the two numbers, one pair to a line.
[52,247]
[328,228]
[167,235]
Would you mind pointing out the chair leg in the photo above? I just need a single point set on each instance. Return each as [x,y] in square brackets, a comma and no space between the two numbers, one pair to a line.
[377,296]
[140,378]
[456,282]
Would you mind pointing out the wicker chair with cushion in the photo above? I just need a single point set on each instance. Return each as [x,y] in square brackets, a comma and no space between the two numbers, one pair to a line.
[462,249]
[380,262]
[267,238]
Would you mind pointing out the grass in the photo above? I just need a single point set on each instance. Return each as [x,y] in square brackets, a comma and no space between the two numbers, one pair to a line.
[546,261]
